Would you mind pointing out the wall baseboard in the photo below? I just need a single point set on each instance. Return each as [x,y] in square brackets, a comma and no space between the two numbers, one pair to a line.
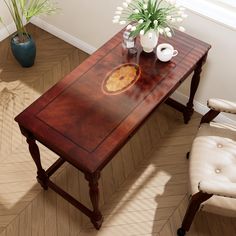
[200,108]
[63,35]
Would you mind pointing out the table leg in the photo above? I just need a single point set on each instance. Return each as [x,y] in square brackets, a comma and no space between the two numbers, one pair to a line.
[34,151]
[96,217]
[194,85]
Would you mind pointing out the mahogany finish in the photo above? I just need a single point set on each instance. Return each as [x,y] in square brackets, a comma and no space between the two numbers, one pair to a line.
[209,116]
[86,127]
[193,207]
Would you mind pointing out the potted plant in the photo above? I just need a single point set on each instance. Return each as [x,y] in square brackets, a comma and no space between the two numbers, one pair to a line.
[148,18]
[22,44]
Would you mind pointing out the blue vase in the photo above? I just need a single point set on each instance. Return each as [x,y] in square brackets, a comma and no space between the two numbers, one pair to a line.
[24,52]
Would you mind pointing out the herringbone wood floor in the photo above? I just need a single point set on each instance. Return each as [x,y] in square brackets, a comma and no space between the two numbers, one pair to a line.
[143,189]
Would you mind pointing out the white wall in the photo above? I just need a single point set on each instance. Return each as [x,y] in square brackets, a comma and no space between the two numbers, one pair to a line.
[219,74]
[4,14]
[90,21]
[7,20]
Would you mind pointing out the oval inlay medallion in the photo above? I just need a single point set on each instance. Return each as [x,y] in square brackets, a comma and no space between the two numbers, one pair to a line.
[121,78]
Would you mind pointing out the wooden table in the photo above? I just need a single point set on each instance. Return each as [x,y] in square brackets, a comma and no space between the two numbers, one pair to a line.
[87,117]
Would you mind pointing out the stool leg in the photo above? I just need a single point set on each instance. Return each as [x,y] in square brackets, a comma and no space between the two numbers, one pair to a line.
[96,217]
[187,155]
[193,207]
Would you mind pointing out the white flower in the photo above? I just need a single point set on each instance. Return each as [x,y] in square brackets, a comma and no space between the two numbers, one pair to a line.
[179,19]
[116,17]
[161,31]
[122,16]
[129,27]
[141,32]
[150,35]
[181,28]
[140,21]
[122,22]
[125,4]
[167,29]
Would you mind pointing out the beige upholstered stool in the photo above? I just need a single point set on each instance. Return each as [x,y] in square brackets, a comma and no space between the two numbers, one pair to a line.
[212,167]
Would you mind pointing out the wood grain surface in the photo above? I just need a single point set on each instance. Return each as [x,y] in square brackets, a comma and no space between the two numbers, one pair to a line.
[87,127]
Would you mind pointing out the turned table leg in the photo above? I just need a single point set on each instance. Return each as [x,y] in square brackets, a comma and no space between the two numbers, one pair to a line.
[96,217]
[194,85]
[34,151]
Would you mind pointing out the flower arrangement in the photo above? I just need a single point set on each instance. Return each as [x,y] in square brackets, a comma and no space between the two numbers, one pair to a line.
[23,10]
[144,15]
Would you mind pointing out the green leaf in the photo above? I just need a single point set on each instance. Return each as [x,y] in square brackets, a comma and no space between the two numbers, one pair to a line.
[147,26]
[138,29]
[20,9]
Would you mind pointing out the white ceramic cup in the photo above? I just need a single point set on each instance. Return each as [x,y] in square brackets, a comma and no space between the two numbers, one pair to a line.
[165,52]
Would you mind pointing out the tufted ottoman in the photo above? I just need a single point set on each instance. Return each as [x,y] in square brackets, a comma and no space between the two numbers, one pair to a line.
[212,166]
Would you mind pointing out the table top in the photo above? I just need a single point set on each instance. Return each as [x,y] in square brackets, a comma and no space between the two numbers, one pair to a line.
[88,116]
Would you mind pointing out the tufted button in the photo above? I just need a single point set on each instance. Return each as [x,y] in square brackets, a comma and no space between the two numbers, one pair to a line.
[217,171]
[219,145]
